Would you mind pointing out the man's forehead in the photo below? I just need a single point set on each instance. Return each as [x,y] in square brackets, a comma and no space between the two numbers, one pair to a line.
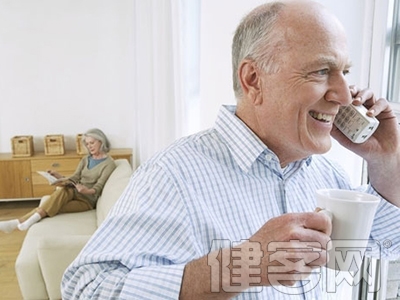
[338,62]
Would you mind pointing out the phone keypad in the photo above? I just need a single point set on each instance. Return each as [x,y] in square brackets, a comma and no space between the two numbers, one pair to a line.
[353,122]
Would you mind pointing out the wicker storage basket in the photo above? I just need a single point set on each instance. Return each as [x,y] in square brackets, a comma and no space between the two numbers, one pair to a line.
[54,144]
[80,148]
[22,146]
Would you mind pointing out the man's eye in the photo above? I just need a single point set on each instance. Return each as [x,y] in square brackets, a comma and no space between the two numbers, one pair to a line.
[322,72]
[346,72]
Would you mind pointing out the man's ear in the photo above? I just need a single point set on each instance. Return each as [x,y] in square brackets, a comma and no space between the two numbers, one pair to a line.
[250,80]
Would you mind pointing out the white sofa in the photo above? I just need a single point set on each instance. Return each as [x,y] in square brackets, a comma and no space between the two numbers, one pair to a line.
[52,244]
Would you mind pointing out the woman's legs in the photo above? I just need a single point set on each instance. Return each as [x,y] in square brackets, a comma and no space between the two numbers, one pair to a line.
[36,217]
[11,225]
[76,205]
[57,199]
[63,200]
[8,226]
[29,214]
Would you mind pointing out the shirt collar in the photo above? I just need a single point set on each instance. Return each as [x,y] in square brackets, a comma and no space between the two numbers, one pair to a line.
[244,145]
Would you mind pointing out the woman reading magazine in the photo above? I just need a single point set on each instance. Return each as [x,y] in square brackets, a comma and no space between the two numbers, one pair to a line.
[78,192]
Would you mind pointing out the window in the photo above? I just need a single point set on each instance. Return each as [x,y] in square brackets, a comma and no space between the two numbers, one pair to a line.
[384,79]
[384,55]
[191,53]
[393,93]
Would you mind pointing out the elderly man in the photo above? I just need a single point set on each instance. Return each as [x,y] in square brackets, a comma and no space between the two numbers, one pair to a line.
[197,220]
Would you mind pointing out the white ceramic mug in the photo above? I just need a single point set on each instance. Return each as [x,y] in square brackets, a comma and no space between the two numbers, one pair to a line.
[352,217]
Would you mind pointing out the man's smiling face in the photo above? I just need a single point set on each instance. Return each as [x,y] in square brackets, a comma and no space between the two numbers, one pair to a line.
[300,101]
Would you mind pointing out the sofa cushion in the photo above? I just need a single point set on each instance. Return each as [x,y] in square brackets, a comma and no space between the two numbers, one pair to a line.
[55,254]
[27,267]
[113,188]
[66,224]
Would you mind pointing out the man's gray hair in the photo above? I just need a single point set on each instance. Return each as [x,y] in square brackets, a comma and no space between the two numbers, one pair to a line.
[256,39]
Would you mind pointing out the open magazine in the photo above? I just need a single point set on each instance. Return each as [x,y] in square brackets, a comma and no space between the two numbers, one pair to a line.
[57,182]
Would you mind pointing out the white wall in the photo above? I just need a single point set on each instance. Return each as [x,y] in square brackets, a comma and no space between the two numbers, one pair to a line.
[66,66]
[219,21]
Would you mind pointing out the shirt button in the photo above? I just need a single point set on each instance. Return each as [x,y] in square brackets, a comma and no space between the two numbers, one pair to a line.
[268,157]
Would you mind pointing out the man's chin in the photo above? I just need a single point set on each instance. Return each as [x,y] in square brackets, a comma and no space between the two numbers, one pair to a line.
[323,146]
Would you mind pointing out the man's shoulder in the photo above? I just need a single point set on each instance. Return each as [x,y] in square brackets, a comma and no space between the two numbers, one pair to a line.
[190,149]
[191,143]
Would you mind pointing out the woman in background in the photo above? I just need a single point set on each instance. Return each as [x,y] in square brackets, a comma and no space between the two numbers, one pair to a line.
[89,179]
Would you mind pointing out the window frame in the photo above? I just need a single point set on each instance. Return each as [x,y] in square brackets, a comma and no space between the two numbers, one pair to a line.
[394,58]
[380,54]
[377,43]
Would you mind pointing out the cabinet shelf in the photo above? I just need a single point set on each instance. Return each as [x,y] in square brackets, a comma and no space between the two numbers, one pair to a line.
[19,179]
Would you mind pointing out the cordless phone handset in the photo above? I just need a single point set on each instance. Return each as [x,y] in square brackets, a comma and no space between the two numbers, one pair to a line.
[354,123]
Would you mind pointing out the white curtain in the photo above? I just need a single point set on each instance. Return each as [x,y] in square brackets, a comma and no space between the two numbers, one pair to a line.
[158,80]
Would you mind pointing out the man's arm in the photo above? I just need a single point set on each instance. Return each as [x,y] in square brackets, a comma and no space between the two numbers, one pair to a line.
[145,240]
[197,281]
[382,150]
[384,177]
[294,229]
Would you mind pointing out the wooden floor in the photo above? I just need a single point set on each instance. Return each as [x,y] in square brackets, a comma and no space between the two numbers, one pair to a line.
[10,245]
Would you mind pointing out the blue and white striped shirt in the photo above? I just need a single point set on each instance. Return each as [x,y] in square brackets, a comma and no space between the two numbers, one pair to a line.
[219,184]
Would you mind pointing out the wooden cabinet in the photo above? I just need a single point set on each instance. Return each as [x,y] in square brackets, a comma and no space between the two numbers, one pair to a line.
[19,179]
[15,179]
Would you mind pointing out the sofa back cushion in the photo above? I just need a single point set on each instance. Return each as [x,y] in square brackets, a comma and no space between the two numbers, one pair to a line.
[113,189]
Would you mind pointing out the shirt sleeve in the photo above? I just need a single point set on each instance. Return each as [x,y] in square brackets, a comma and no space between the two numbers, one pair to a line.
[385,229]
[141,249]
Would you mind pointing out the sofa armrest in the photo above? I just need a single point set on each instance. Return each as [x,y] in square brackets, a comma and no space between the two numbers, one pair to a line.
[55,254]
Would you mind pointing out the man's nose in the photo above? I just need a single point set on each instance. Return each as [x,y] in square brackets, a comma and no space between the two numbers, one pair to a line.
[339,91]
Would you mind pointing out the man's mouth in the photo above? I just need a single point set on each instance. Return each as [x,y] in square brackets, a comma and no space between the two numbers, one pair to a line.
[322,117]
